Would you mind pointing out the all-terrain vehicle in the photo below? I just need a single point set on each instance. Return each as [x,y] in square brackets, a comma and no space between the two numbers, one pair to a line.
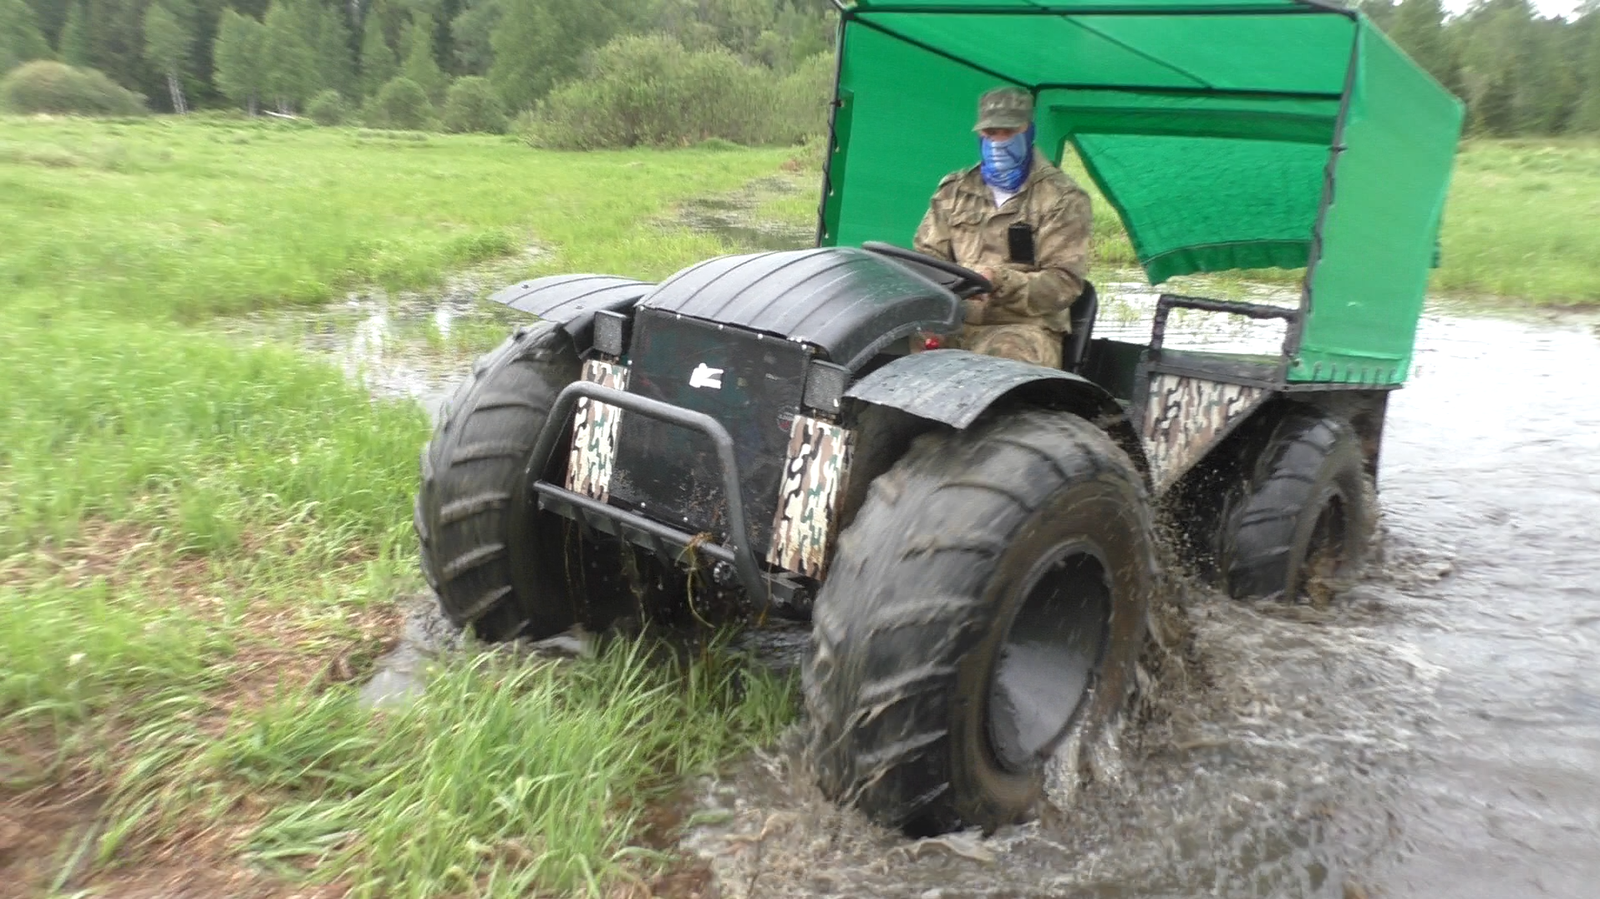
[972,537]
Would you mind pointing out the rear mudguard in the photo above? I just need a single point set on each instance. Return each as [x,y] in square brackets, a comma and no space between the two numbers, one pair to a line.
[570,301]
[955,387]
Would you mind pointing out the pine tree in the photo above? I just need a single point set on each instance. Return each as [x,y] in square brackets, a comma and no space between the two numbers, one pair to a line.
[420,65]
[73,47]
[378,62]
[240,64]
[167,42]
[20,37]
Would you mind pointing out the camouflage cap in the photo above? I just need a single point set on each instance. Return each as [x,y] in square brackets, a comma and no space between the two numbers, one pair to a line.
[1005,107]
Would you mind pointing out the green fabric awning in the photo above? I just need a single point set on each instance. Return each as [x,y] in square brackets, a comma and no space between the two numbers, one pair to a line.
[1244,134]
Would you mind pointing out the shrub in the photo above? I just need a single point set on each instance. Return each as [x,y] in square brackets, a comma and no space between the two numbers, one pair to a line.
[401,103]
[327,108]
[651,90]
[472,105]
[801,108]
[45,86]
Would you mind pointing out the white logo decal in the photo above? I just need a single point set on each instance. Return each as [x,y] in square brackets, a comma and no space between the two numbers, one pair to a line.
[706,376]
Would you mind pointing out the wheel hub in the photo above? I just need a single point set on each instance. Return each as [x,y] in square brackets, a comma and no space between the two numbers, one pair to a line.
[1050,655]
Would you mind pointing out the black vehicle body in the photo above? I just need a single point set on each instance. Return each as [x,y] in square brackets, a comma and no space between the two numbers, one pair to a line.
[823,339]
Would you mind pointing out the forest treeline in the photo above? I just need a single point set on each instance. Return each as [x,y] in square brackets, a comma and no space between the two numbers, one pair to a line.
[1518,72]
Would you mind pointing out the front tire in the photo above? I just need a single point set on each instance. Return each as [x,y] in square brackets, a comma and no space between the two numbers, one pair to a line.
[494,560]
[990,596]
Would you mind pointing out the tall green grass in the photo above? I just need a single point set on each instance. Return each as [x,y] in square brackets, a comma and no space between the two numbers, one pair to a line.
[1520,224]
[175,219]
[191,522]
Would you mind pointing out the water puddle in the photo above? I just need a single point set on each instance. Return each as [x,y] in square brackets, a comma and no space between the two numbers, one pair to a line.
[738,217]
[410,346]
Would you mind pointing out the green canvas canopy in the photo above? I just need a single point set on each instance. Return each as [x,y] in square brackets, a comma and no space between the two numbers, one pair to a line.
[1227,135]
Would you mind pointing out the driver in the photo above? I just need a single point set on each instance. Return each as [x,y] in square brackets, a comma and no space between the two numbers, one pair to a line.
[1021,223]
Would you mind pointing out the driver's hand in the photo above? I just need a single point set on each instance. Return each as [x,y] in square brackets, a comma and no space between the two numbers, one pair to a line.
[987,272]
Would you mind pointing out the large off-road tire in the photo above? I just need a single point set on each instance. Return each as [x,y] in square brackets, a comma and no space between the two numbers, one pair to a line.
[494,559]
[989,597]
[1304,519]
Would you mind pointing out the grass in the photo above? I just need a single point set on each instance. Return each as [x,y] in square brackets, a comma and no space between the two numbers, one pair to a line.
[1519,226]
[203,534]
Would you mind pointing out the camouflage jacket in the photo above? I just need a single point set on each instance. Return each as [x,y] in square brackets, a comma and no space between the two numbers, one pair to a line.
[964,226]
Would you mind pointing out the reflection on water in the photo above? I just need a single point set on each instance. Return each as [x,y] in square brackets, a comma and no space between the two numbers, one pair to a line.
[410,346]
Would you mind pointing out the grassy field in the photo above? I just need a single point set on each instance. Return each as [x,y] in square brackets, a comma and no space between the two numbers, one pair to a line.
[1520,225]
[203,537]
[203,540]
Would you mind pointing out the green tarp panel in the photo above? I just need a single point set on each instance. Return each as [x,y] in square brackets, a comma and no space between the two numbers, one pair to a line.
[1381,228]
[1211,128]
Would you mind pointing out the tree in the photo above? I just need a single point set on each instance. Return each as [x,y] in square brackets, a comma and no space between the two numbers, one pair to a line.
[471,32]
[1496,52]
[331,44]
[541,42]
[166,46]
[290,62]
[1418,27]
[401,104]
[420,66]
[241,69]
[1587,117]
[20,37]
[378,62]
[73,47]
[472,105]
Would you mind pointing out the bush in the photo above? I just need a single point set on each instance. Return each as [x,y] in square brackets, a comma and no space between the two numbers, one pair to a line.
[651,90]
[45,86]
[472,105]
[327,108]
[402,103]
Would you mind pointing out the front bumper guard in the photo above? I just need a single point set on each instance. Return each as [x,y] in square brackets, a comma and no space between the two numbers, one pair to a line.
[736,557]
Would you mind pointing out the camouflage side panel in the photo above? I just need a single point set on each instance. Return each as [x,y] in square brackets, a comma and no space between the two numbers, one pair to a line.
[818,460]
[594,434]
[1186,416]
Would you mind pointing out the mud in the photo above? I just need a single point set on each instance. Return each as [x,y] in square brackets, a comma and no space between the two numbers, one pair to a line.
[1436,732]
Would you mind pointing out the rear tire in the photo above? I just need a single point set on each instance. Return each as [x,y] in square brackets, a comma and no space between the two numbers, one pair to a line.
[1304,522]
[493,558]
[990,596]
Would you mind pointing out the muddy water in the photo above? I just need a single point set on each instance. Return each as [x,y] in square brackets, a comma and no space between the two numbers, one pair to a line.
[1435,733]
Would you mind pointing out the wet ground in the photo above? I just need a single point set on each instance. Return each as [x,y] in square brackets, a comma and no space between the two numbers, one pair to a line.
[1435,733]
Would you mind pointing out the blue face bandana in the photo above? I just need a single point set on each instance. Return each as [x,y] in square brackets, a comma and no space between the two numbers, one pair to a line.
[1005,163]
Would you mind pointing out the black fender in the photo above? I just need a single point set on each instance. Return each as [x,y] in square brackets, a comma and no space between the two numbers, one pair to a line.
[570,301]
[955,388]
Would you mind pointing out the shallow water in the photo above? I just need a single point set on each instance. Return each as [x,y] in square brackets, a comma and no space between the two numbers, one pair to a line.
[1435,733]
